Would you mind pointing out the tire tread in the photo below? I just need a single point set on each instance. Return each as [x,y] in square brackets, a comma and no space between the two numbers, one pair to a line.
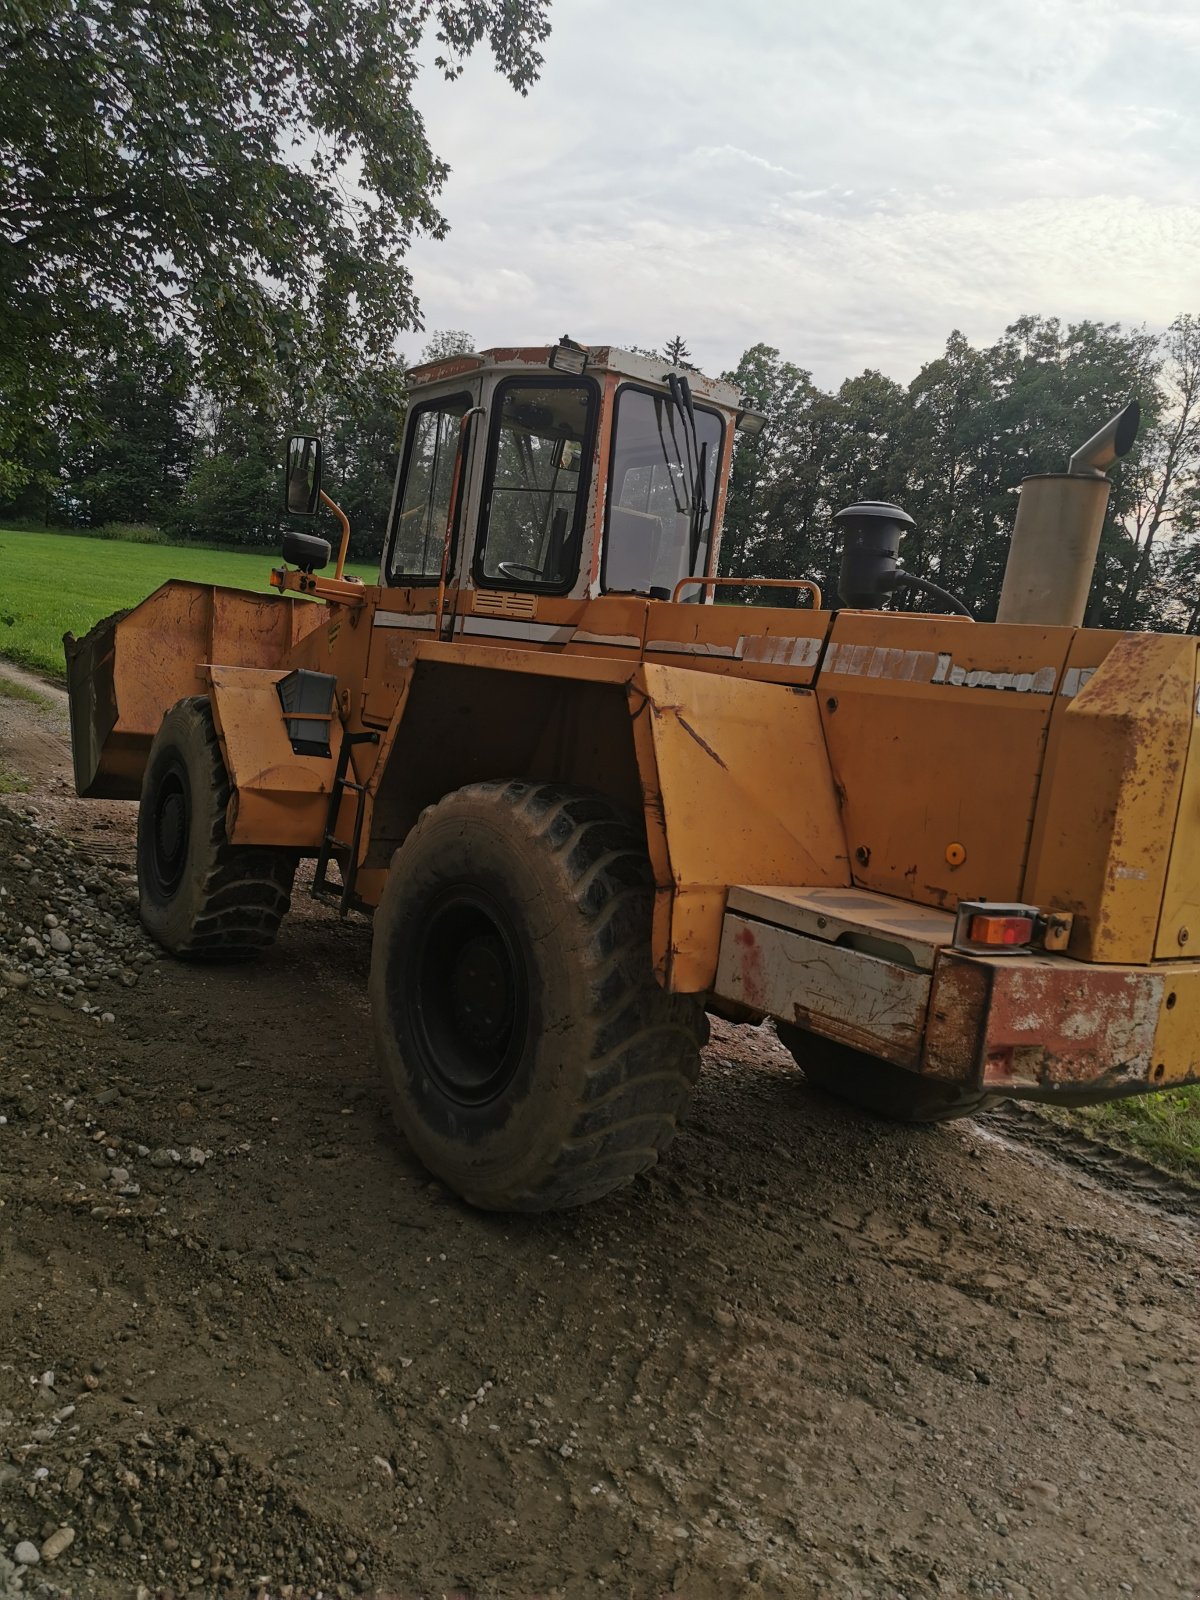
[644,1042]
[244,891]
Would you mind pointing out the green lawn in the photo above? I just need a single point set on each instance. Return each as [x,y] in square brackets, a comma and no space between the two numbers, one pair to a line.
[53,583]
[1163,1128]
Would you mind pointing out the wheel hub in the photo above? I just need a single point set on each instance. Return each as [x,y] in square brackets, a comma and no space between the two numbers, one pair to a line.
[482,989]
[471,997]
[172,821]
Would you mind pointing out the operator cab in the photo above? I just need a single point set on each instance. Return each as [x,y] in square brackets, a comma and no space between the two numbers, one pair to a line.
[565,471]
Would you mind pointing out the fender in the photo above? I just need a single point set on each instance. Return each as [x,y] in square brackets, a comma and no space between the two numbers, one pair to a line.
[737,788]
[278,798]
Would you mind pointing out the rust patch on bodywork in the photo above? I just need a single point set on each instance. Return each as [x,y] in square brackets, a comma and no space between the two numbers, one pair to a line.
[1041,1025]
[958,1008]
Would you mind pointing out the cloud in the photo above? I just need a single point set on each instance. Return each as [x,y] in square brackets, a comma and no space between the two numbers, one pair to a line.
[847,186]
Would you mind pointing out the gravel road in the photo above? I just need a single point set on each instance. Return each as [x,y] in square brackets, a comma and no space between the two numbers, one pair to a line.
[248,1347]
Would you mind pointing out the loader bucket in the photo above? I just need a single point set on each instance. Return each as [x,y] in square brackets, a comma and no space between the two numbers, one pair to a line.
[93,701]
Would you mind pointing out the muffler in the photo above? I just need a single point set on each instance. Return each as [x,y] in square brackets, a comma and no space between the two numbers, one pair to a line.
[1056,534]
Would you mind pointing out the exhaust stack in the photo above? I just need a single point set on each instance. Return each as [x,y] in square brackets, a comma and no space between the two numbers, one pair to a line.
[1057,530]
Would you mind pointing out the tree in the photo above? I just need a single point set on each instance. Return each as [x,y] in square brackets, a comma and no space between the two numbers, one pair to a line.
[1164,484]
[233,495]
[774,488]
[363,428]
[985,419]
[447,342]
[676,352]
[128,460]
[250,177]
[953,448]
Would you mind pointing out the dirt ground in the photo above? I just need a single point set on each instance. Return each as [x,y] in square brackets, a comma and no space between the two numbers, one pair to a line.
[246,1346]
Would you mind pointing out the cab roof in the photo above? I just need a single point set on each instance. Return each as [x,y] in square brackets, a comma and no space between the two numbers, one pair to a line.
[601,359]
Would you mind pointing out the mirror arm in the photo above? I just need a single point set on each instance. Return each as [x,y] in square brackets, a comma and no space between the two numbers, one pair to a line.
[345,522]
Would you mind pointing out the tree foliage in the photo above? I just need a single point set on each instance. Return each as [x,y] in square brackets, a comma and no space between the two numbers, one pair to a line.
[247,175]
[448,342]
[952,448]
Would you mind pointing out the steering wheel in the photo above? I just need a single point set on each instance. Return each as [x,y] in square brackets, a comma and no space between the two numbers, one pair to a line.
[515,569]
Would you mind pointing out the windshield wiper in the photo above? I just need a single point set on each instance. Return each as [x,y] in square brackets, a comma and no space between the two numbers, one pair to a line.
[681,395]
[699,508]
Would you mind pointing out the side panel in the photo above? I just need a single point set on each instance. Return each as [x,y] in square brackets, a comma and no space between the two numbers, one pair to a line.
[859,1000]
[737,789]
[1179,921]
[936,729]
[1110,797]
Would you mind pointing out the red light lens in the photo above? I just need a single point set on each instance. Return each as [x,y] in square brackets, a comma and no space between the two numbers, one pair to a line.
[984,929]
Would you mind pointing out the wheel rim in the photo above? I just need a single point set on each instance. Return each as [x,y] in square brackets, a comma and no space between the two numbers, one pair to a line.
[469,1004]
[170,831]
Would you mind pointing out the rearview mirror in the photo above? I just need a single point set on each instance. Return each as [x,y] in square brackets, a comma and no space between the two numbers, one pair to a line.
[303,475]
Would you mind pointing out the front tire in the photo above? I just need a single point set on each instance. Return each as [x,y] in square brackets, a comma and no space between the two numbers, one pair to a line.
[877,1086]
[531,1059]
[201,897]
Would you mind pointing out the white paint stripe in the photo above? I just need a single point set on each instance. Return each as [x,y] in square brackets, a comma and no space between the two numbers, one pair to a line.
[1074,679]
[625,640]
[682,647]
[403,619]
[923,666]
[779,650]
[515,628]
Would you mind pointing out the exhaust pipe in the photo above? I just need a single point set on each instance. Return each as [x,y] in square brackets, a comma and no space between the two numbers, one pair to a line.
[1057,530]
[1109,444]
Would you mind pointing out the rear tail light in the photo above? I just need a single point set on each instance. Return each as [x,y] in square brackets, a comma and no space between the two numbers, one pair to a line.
[989,928]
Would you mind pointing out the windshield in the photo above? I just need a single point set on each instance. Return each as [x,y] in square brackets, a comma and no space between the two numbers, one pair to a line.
[663,491]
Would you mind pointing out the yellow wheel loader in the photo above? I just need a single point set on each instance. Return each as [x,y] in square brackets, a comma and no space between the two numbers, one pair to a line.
[584,801]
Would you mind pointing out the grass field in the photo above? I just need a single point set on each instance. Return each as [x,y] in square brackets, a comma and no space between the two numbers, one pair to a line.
[52,583]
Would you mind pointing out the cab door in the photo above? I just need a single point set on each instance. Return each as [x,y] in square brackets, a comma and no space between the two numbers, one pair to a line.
[411,566]
[533,509]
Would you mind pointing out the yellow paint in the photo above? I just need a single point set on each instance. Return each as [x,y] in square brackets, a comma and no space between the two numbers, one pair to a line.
[1110,796]
[737,790]
[1177,1037]
[935,729]
[279,797]
[1179,922]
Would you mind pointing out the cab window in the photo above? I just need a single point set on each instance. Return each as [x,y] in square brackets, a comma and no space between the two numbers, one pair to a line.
[539,457]
[423,504]
[662,495]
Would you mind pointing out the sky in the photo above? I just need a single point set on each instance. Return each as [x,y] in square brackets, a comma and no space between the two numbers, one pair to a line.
[846,181]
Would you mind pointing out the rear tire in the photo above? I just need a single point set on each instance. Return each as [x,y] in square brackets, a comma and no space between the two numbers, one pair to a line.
[878,1086]
[201,897]
[531,1059]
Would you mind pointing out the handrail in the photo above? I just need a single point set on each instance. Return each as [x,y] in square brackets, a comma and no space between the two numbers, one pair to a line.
[451,513]
[753,583]
[345,522]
